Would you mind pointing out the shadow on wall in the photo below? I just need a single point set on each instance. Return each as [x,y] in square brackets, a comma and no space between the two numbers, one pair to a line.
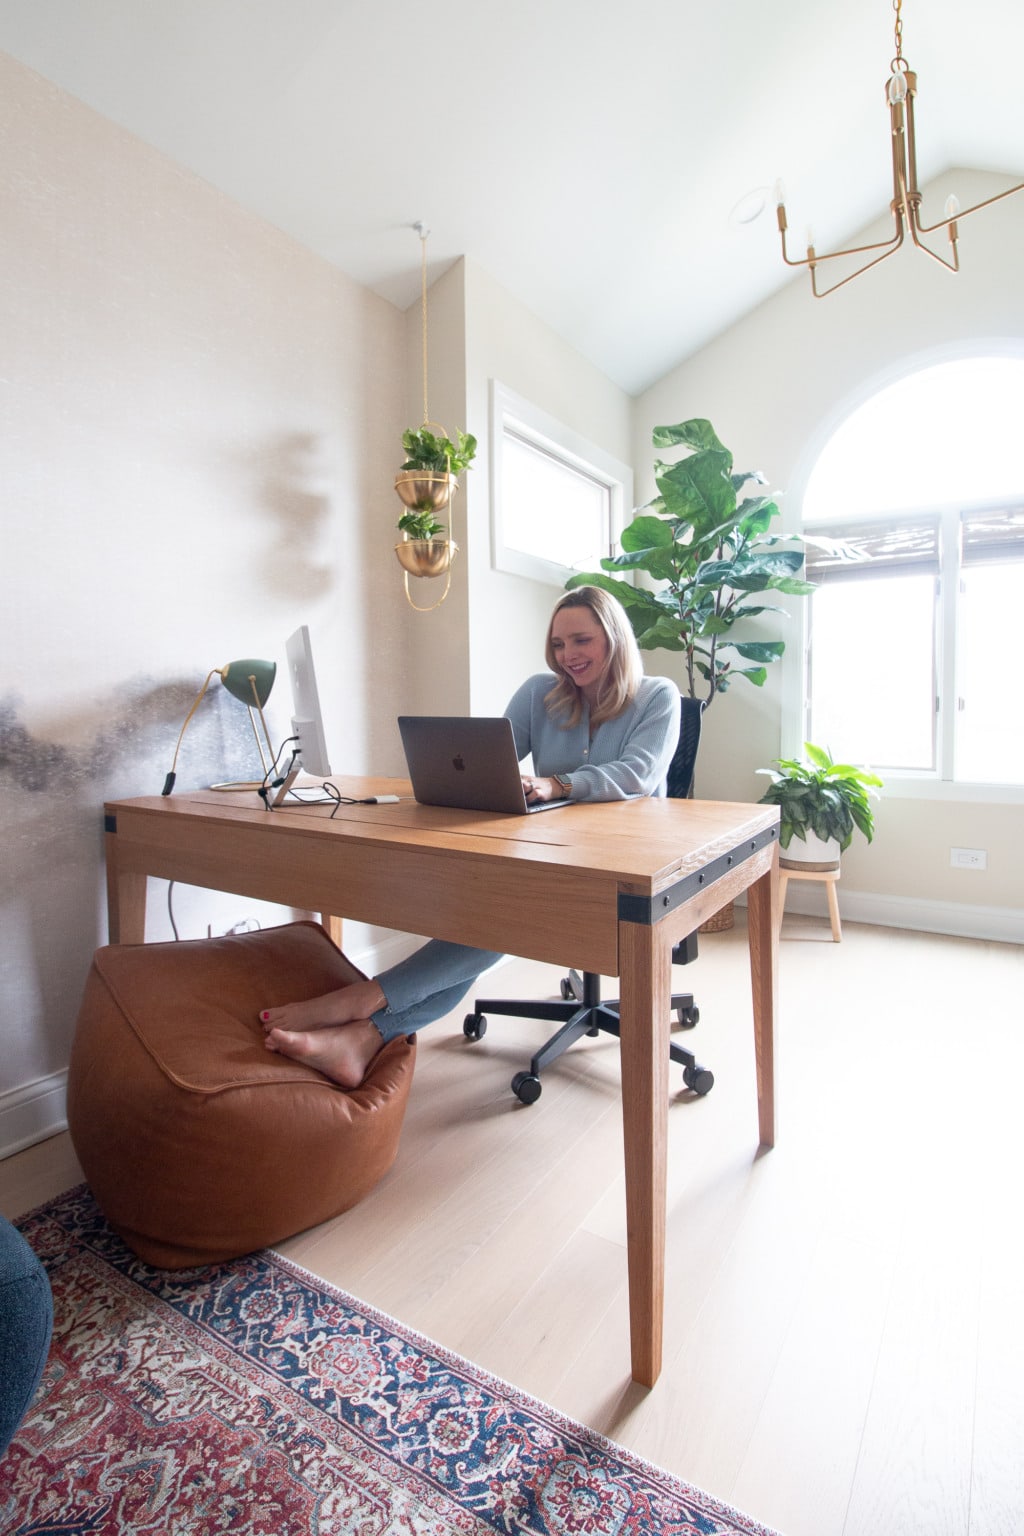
[51,827]
[295,482]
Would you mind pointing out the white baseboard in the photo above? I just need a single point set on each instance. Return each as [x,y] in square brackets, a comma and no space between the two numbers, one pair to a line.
[1002,924]
[32,1113]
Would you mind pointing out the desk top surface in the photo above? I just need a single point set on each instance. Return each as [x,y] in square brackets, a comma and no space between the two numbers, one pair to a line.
[642,843]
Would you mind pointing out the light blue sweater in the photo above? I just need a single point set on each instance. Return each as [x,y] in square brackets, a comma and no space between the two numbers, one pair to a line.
[629,755]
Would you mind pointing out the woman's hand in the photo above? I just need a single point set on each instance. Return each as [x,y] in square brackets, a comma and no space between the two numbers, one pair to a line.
[541,789]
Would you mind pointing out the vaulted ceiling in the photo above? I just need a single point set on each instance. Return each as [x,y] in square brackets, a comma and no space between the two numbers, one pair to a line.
[602,160]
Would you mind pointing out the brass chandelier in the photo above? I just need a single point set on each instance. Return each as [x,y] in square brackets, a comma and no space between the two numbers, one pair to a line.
[901,88]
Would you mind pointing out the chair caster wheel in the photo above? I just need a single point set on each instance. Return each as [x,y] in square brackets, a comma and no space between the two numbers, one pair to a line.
[699,1079]
[526,1087]
[567,991]
[688,1017]
[474,1026]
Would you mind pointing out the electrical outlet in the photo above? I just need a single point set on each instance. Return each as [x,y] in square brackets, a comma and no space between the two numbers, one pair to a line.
[968,858]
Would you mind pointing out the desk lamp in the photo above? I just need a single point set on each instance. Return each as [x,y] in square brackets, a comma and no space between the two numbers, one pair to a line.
[250,682]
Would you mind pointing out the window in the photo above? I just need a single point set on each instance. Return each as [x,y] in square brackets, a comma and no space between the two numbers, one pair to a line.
[912,629]
[558,501]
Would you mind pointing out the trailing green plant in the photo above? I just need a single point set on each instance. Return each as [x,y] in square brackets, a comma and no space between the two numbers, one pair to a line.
[421,524]
[432,456]
[815,794]
[710,554]
[438,455]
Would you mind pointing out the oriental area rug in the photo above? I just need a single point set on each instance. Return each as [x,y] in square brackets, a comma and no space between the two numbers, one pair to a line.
[252,1397]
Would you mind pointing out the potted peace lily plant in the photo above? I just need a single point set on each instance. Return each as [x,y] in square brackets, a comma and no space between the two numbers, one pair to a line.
[821,804]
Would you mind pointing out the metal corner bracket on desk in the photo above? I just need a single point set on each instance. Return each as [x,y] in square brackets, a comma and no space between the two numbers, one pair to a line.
[647,910]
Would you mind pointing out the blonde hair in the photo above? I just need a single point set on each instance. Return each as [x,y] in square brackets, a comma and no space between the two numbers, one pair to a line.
[623,671]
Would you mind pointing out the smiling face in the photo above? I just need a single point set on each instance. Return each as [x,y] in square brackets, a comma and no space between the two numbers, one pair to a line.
[580,647]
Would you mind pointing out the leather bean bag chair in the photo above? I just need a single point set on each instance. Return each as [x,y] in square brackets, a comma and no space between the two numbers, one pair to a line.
[199,1144]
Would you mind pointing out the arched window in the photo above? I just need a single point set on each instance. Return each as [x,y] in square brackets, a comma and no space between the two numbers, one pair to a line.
[914,641]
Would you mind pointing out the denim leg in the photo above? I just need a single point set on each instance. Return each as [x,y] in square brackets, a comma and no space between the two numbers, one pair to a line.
[429,984]
[26,1320]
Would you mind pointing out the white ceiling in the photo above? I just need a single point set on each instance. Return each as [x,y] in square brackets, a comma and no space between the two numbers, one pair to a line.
[589,154]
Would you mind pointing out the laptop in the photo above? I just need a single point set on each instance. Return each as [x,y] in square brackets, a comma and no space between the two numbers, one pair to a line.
[468,762]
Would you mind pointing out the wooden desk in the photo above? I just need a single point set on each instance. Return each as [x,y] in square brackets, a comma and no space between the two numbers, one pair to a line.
[606,888]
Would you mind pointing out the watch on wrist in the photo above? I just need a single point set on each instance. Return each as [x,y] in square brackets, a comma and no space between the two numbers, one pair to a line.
[564,783]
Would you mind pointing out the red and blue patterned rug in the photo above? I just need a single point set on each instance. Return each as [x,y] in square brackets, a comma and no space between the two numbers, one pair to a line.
[253,1398]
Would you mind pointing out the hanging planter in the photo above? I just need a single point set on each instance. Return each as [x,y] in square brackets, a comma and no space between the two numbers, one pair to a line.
[422,491]
[425,486]
[426,483]
[426,557]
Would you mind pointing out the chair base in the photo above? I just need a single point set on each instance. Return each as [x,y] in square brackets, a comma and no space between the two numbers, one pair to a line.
[581,1013]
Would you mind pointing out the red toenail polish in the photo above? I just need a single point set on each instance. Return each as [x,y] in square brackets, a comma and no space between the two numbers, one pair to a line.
[264,1017]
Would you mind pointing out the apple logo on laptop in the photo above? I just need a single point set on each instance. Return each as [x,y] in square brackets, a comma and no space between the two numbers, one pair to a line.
[459,763]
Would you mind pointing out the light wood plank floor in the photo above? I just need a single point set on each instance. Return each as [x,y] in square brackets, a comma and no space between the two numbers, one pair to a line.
[845,1339]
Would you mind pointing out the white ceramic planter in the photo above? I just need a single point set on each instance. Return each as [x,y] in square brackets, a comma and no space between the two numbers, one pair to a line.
[810,852]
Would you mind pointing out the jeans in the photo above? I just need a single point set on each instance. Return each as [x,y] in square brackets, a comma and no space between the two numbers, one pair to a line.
[26,1323]
[429,984]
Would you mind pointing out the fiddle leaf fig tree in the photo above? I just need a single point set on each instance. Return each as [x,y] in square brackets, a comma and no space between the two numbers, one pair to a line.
[705,544]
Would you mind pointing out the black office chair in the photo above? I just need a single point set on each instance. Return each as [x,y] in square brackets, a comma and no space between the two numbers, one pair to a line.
[582,1011]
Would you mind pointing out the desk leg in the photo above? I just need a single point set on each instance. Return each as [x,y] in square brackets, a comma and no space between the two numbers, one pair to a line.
[126,900]
[645,992]
[763,939]
[332,926]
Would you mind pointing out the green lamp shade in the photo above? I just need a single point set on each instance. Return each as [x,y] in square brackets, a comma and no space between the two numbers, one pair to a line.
[248,680]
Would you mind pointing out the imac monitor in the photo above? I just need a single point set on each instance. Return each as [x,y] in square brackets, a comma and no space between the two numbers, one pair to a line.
[307,721]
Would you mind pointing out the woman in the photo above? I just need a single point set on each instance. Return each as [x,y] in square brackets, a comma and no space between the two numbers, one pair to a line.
[597,729]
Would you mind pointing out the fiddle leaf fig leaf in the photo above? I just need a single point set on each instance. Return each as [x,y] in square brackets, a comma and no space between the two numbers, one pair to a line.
[705,545]
[698,434]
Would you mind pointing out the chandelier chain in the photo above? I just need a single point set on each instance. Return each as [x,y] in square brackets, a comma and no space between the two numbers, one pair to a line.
[899,62]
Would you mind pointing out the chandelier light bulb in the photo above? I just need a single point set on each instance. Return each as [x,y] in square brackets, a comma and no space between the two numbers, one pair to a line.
[952,206]
[780,193]
[897,87]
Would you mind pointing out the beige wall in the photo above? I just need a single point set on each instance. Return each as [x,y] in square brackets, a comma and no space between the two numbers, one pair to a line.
[487,635]
[508,615]
[197,430]
[774,386]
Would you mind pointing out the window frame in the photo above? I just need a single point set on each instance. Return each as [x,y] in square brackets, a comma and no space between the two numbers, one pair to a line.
[513,414]
[949,520]
[899,784]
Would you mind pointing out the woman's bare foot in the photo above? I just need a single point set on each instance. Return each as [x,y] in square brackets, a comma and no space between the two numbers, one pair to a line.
[356,1001]
[341,1052]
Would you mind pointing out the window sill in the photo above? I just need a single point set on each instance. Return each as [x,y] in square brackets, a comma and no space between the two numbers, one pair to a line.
[909,786]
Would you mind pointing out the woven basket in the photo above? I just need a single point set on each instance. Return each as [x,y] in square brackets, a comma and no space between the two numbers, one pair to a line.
[721,921]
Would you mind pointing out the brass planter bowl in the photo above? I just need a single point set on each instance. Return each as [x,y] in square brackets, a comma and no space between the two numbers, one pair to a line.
[421,491]
[426,557]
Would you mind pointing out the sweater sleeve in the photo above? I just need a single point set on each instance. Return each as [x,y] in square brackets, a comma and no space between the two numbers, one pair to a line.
[628,756]
[634,761]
